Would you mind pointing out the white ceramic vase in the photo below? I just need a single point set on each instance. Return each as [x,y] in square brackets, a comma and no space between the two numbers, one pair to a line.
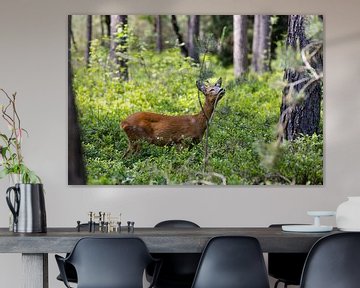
[348,214]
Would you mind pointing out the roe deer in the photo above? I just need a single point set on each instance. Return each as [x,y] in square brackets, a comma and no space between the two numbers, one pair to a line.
[165,130]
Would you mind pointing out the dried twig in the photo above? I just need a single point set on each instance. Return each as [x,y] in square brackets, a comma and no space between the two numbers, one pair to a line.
[208,117]
[12,159]
[14,123]
[306,61]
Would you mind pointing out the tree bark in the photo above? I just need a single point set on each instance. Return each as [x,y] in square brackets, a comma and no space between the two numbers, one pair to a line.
[158,27]
[76,168]
[88,39]
[300,116]
[182,44]
[261,43]
[240,45]
[193,37]
[118,45]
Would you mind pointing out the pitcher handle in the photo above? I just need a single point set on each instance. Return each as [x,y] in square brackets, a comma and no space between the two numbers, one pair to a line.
[13,208]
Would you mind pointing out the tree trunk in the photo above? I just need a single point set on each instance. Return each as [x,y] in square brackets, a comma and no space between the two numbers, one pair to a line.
[265,41]
[158,27]
[193,37]
[255,43]
[240,45]
[88,39]
[71,37]
[261,43]
[118,45]
[76,168]
[180,38]
[108,25]
[300,108]
[104,26]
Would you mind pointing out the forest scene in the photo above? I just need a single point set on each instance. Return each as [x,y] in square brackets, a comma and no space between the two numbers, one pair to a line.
[195,100]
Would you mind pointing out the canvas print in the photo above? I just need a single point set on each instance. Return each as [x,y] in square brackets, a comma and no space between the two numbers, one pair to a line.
[195,100]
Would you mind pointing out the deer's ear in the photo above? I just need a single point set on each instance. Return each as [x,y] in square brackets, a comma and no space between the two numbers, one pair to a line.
[218,82]
[200,86]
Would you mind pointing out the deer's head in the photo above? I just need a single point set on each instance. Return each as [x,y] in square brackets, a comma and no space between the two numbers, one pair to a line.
[213,93]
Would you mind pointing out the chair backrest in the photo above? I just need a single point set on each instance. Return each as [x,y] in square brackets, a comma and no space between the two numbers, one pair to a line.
[232,262]
[178,269]
[287,267]
[333,262]
[110,262]
[176,224]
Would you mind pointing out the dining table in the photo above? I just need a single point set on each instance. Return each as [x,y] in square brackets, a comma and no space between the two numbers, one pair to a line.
[35,247]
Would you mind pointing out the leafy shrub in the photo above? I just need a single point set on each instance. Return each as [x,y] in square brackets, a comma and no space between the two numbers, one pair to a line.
[245,119]
[302,160]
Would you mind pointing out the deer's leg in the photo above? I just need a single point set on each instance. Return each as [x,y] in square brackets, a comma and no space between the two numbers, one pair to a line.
[134,147]
[127,152]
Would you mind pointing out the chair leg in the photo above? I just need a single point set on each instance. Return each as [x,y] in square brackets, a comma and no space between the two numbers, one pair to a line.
[278,282]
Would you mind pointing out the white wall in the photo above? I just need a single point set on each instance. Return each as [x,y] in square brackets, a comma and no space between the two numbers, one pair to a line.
[33,62]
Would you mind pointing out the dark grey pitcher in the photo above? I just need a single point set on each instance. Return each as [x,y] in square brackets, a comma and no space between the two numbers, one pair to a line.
[28,207]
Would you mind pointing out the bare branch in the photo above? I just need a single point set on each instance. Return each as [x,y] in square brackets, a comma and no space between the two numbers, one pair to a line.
[306,61]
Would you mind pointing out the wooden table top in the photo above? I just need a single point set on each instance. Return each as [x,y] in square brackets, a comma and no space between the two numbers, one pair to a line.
[158,240]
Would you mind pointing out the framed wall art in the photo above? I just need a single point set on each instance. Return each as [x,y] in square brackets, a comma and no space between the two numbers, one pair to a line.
[196,99]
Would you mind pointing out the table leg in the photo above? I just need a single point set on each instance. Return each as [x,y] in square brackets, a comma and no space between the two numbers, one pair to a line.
[35,270]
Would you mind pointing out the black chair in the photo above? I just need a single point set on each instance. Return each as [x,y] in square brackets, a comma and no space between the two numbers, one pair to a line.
[286,267]
[232,262]
[178,269]
[333,262]
[108,263]
[69,269]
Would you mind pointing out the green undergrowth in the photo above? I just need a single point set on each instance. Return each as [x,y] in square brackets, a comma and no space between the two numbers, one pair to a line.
[245,120]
